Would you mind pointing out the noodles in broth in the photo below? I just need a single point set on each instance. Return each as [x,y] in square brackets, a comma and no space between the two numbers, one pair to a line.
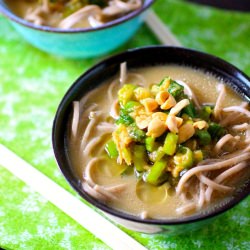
[174,162]
[68,14]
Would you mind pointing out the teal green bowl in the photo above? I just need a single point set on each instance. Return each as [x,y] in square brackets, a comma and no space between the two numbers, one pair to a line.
[79,43]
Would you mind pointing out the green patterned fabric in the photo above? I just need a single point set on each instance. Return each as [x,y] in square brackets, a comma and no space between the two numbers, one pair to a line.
[32,84]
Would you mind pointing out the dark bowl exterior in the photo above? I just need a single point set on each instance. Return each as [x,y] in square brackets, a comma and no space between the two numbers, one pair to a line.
[145,56]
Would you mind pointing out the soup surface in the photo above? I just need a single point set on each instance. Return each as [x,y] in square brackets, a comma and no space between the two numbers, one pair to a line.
[72,13]
[122,186]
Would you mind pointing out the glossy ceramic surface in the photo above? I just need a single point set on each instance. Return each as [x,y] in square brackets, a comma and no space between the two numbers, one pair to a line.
[79,43]
[140,57]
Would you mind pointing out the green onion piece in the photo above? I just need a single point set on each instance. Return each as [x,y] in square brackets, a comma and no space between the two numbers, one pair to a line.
[216,130]
[176,90]
[111,149]
[183,158]
[126,93]
[156,155]
[163,81]
[190,110]
[159,153]
[198,156]
[136,134]
[124,118]
[206,112]
[170,143]
[156,172]
[70,7]
[139,157]
[150,144]
[204,137]
[131,105]
[127,156]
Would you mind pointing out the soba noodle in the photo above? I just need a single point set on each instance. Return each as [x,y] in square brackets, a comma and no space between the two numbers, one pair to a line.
[194,189]
[67,14]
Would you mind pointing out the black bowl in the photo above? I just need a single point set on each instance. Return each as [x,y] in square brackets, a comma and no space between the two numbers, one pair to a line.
[146,56]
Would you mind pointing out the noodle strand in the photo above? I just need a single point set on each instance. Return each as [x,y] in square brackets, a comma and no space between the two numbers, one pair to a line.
[211,167]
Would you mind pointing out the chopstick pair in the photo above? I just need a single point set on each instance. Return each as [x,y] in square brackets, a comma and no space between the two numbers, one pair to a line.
[161,31]
[69,204]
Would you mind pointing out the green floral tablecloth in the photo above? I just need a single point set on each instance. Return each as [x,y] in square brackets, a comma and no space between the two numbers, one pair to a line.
[31,86]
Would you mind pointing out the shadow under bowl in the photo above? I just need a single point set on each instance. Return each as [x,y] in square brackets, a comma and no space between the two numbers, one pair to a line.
[79,42]
[136,58]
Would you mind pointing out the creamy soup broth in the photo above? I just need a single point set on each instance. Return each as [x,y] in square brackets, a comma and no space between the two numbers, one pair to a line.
[204,86]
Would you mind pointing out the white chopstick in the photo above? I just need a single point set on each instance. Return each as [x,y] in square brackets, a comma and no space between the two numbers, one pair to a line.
[160,30]
[81,213]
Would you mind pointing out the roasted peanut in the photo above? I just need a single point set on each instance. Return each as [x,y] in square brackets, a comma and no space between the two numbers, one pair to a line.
[162,116]
[169,103]
[143,121]
[186,131]
[150,104]
[156,127]
[172,123]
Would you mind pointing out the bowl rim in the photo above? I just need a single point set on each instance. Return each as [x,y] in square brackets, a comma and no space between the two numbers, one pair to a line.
[123,215]
[13,17]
